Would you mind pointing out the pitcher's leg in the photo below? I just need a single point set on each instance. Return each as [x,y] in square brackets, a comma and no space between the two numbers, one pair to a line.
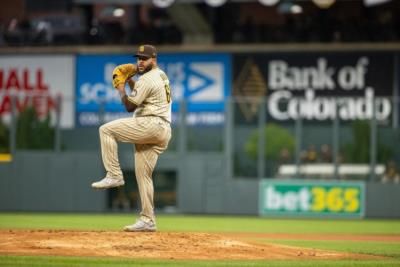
[129,130]
[145,161]
[109,152]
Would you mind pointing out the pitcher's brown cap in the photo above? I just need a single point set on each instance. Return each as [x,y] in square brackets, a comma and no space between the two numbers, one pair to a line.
[146,51]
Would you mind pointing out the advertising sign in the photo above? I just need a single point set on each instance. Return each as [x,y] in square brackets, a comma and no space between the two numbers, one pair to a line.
[318,86]
[312,198]
[202,80]
[38,81]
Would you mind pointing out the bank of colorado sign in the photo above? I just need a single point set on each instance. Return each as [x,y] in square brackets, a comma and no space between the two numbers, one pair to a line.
[319,86]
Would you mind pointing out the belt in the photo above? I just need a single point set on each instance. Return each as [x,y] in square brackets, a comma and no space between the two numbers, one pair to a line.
[153,116]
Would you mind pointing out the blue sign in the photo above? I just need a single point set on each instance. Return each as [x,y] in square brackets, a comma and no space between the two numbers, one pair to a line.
[202,80]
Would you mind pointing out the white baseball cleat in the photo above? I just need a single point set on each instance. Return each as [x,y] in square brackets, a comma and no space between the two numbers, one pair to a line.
[108,183]
[141,226]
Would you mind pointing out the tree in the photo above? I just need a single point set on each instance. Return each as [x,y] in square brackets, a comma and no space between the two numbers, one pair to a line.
[358,150]
[276,138]
[4,138]
[33,133]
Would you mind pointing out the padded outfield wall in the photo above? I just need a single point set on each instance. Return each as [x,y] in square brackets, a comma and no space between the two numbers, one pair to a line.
[49,181]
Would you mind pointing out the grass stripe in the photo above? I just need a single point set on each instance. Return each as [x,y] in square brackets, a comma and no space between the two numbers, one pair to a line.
[389,249]
[99,262]
[190,223]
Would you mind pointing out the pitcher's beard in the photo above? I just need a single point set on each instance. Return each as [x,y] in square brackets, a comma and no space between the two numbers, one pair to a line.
[147,69]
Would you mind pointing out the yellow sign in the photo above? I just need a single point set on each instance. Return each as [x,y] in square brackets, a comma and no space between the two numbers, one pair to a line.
[335,199]
[5,157]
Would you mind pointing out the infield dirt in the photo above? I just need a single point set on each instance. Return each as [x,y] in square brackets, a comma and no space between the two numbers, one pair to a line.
[159,245]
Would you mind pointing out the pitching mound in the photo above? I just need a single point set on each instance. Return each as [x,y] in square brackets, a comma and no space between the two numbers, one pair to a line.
[160,245]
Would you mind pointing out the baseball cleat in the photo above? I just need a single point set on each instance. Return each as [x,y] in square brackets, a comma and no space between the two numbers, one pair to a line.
[108,183]
[141,226]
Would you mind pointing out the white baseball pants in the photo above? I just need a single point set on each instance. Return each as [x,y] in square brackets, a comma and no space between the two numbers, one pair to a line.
[151,136]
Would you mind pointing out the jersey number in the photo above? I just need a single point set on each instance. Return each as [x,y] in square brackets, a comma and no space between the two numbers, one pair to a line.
[168,92]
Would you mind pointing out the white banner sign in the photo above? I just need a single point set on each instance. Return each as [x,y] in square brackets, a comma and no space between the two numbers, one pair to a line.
[38,81]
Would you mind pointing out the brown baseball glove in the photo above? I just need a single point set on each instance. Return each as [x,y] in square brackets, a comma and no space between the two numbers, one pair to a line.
[122,73]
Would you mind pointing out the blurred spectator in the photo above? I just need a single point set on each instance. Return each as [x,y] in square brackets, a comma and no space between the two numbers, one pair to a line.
[391,174]
[96,33]
[28,32]
[347,21]
[326,153]
[44,30]
[66,28]
[340,158]
[43,33]
[233,22]
[310,155]
[13,33]
[284,156]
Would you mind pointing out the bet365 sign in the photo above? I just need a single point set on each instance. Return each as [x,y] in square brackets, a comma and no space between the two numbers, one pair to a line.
[299,197]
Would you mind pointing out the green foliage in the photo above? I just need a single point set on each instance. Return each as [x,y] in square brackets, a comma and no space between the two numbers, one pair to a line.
[33,133]
[276,139]
[4,138]
[358,151]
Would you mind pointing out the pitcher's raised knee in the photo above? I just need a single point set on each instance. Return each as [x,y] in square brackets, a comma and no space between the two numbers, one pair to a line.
[104,129]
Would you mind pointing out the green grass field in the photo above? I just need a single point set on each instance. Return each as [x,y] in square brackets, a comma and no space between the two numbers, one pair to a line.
[230,224]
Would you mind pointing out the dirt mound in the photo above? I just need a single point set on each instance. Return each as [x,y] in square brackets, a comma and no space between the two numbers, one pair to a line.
[341,237]
[159,245]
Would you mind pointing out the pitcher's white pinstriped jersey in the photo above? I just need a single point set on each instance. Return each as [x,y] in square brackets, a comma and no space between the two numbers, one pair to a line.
[152,95]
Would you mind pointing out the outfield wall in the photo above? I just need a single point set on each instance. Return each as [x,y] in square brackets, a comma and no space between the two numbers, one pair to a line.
[50,181]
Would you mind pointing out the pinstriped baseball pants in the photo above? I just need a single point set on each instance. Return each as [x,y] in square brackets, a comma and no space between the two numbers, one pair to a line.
[150,136]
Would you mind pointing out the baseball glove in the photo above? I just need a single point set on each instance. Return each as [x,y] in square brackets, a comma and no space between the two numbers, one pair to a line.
[123,72]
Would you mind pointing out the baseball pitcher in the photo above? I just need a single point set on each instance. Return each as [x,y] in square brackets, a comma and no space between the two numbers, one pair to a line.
[149,129]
